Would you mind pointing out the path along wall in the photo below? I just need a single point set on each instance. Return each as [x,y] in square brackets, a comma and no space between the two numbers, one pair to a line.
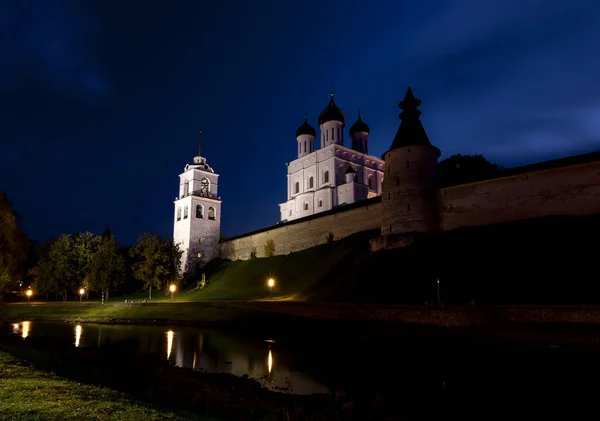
[572,190]
[308,232]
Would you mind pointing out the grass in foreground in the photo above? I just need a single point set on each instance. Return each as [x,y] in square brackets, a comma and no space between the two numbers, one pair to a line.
[30,394]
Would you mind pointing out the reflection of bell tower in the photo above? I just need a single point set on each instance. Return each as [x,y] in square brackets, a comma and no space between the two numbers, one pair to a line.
[197,225]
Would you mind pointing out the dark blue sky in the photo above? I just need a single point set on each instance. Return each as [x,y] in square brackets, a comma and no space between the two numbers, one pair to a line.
[101,101]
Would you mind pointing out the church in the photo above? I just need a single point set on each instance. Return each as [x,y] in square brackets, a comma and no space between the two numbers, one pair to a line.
[332,175]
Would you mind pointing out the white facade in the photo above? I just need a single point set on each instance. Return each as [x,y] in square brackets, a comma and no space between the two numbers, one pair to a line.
[317,181]
[197,219]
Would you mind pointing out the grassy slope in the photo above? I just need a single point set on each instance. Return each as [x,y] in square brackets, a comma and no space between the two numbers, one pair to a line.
[30,394]
[298,275]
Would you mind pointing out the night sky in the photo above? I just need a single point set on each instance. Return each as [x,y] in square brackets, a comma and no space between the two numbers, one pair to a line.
[102,101]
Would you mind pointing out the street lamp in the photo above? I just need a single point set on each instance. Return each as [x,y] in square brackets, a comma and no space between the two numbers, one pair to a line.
[271,284]
[172,288]
[29,293]
[438,291]
[81,292]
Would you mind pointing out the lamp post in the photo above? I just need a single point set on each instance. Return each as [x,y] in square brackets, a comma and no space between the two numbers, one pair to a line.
[271,284]
[438,292]
[29,293]
[81,292]
[172,288]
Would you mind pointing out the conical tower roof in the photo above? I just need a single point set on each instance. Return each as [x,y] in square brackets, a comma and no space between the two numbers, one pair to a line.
[411,131]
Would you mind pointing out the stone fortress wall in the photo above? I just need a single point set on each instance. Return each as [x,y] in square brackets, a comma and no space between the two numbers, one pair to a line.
[567,190]
[571,190]
[307,232]
[411,202]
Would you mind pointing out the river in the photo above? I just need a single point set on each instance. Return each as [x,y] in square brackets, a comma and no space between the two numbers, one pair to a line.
[331,362]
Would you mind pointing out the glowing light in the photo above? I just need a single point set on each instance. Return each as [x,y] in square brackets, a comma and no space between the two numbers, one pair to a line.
[271,282]
[270,361]
[170,335]
[26,326]
[29,293]
[15,328]
[172,288]
[81,291]
[78,330]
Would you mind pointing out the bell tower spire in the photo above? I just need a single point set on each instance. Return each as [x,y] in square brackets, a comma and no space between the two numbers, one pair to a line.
[200,144]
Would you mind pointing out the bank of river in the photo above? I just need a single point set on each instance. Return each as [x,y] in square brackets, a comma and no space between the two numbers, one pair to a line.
[544,324]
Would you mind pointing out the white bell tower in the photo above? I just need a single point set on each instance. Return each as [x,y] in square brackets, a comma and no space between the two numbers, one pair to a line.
[197,220]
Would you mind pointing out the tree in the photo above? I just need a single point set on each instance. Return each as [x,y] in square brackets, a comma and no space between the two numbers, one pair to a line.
[83,249]
[43,272]
[107,271]
[158,261]
[13,245]
[461,169]
[270,248]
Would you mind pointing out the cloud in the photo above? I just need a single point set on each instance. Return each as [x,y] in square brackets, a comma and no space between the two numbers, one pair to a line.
[50,44]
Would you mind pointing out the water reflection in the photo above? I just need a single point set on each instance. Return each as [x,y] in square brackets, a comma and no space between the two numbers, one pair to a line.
[78,330]
[201,350]
[170,335]
[25,332]
[270,360]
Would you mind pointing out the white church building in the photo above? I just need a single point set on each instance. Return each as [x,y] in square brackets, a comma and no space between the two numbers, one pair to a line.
[197,224]
[333,175]
[318,181]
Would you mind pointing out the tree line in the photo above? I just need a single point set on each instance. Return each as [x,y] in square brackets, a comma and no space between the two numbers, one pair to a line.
[60,267]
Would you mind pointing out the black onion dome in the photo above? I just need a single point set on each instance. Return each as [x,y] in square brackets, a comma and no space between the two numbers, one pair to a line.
[306,129]
[332,113]
[359,126]
[350,170]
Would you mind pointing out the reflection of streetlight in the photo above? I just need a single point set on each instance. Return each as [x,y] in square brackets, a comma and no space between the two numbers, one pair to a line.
[81,292]
[172,288]
[78,330]
[170,335]
[270,360]
[271,284]
[29,293]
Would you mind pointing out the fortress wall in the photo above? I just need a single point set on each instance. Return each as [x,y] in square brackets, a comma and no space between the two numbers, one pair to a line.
[572,190]
[302,235]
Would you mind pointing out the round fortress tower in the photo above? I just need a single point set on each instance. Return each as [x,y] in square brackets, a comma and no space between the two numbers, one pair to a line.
[409,181]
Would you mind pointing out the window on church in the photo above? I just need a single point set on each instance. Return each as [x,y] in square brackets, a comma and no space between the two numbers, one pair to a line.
[305,205]
[326,177]
[179,214]
[371,182]
[290,212]
[332,134]
[311,182]
[185,212]
[320,203]
[186,188]
[211,213]
[305,146]
[297,187]
[199,211]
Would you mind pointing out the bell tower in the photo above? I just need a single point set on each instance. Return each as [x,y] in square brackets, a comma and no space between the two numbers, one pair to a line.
[197,219]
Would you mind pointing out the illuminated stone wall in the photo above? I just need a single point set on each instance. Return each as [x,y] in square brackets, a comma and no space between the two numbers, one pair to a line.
[307,233]
[569,190]
[573,190]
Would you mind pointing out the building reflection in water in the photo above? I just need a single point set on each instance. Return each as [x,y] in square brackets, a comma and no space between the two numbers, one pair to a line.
[207,351]
[26,326]
[78,330]
[170,335]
